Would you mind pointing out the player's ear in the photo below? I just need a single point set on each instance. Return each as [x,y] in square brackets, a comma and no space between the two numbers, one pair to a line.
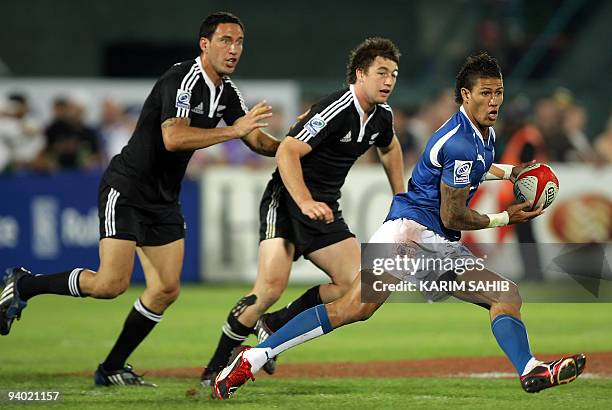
[465,94]
[360,75]
[204,44]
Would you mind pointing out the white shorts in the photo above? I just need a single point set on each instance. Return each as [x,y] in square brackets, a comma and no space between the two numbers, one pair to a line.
[406,230]
[438,256]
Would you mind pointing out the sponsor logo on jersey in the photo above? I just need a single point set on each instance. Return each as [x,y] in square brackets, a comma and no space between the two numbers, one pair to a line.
[315,125]
[198,109]
[462,171]
[373,138]
[346,138]
[182,99]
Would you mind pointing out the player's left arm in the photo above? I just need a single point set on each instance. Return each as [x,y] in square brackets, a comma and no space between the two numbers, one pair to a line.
[454,212]
[456,215]
[261,142]
[456,161]
[393,163]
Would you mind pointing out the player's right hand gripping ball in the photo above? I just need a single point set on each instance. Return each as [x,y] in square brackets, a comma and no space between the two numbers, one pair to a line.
[537,183]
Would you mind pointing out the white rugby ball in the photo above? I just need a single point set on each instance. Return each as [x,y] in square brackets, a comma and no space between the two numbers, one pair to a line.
[537,183]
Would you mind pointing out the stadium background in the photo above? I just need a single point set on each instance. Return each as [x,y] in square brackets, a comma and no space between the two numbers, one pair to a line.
[102,58]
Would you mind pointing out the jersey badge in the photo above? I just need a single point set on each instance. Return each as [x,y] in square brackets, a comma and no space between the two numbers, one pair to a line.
[182,99]
[315,125]
[462,170]
[373,138]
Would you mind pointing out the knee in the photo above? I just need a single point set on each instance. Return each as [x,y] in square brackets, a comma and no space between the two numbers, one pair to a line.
[513,296]
[363,312]
[510,302]
[166,294]
[344,284]
[109,290]
[353,311]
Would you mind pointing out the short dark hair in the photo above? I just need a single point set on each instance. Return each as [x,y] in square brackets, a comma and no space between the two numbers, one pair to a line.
[479,65]
[364,54]
[210,23]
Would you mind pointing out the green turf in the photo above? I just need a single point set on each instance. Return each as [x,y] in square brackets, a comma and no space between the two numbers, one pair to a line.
[59,335]
[419,393]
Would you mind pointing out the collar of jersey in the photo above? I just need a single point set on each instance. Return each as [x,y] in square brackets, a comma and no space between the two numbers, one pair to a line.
[214,102]
[362,125]
[476,130]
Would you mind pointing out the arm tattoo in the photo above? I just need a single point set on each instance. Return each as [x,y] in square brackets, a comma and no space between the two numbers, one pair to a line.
[454,212]
[176,121]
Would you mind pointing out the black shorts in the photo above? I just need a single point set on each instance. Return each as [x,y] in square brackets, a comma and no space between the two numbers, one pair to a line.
[280,217]
[149,226]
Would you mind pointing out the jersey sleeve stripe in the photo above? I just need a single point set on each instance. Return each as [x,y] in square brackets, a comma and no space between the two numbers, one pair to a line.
[433,153]
[337,102]
[302,134]
[192,81]
[239,94]
[188,82]
[331,116]
[188,76]
[341,103]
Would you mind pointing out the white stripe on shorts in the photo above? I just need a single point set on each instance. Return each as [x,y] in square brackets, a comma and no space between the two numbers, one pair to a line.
[271,216]
[109,212]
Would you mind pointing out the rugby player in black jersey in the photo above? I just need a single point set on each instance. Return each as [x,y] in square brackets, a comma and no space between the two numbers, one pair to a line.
[299,211]
[138,201]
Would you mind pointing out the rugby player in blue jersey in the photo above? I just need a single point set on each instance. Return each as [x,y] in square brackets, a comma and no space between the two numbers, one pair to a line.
[429,218]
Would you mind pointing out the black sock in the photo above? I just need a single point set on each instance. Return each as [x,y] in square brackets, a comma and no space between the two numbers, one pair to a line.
[234,333]
[137,326]
[64,283]
[310,298]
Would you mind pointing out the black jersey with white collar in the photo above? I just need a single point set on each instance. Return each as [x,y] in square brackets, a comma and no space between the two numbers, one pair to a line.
[336,130]
[145,171]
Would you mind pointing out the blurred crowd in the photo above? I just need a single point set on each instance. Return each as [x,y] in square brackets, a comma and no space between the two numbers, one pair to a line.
[66,141]
[550,129]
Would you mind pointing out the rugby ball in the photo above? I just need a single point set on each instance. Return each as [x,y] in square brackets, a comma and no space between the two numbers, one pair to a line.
[537,183]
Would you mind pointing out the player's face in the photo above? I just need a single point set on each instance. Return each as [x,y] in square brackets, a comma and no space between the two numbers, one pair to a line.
[483,100]
[224,48]
[379,80]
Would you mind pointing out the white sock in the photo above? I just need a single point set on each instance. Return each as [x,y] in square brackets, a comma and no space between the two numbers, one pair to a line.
[257,357]
[533,362]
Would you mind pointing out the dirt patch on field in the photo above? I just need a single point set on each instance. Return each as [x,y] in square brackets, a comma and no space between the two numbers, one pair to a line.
[598,365]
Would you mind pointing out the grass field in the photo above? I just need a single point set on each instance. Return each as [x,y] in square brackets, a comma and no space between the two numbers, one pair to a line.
[58,337]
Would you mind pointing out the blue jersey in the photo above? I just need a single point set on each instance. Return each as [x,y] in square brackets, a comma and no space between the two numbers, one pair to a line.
[456,154]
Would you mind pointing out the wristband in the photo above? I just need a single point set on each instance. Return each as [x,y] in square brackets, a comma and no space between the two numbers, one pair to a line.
[500,219]
[504,167]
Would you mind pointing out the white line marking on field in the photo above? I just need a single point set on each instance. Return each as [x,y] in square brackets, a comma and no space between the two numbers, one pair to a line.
[500,375]
[488,375]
